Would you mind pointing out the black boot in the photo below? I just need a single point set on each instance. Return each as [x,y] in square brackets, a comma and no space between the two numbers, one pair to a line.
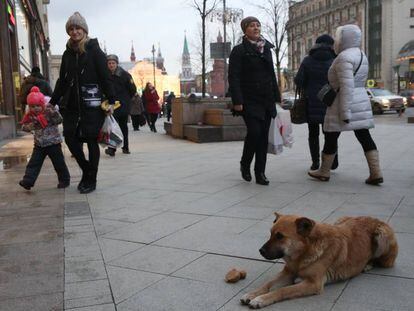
[335,163]
[90,183]
[245,172]
[110,151]
[314,151]
[25,184]
[83,179]
[261,179]
[315,165]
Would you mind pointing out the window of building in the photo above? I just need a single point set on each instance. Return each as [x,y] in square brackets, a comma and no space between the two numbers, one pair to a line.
[411,12]
[23,29]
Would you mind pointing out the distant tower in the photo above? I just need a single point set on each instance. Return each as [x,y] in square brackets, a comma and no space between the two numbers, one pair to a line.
[187,79]
[217,74]
[219,37]
[160,61]
[132,57]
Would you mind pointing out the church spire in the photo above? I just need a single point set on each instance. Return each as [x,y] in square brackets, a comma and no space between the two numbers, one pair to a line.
[132,57]
[185,49]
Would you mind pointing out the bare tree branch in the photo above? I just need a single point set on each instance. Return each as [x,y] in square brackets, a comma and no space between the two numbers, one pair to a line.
[204,11]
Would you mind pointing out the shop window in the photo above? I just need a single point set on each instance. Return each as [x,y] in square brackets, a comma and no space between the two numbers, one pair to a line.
[23,30]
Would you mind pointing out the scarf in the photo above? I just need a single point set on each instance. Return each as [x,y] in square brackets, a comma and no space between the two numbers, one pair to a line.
[259,44]
[32,116]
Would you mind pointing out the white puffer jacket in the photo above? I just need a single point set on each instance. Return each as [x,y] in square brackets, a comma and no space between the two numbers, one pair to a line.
[352,102]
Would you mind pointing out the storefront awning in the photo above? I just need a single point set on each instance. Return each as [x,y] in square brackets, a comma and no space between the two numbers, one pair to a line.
[407,51]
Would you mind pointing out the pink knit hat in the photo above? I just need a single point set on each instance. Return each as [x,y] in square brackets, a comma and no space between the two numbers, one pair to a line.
[35,97]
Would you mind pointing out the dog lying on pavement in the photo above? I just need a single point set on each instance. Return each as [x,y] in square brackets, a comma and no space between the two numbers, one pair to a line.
[318,253]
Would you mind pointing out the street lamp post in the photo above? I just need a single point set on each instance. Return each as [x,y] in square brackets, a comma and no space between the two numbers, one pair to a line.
[153,63]
[224,46]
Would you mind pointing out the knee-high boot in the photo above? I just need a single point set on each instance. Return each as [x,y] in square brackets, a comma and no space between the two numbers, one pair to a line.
[375,175]
[324,172]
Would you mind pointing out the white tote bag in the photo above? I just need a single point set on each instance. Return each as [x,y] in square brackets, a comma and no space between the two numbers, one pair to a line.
[280,132]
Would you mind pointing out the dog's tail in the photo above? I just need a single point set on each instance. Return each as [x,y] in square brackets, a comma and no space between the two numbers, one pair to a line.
[385,246]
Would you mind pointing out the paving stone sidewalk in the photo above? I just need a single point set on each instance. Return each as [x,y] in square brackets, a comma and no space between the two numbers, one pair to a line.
[167,222]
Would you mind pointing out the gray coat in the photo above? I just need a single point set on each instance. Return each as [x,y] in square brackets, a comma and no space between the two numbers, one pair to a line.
[352,102]
[137,107]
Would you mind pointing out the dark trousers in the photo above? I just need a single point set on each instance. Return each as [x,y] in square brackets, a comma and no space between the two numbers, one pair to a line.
[123,124]
[255,143]
[152,118]
[363,136]
[90,166]
[313,140]
[168,113]
[39,154]
[135,121]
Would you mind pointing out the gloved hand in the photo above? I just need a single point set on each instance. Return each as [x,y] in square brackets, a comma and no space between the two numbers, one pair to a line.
[237,110]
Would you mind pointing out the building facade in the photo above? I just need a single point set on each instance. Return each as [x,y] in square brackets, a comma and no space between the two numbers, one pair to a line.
[308,19]
[397,31]
[387,25]
[24,43]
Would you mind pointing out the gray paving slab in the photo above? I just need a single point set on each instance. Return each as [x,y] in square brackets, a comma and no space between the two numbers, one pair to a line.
[154,228]
[113,249]
[383,292]
[104,307]
[175,294]
[127,282]
[162,260]
[79,271]
[84,294]
[52,302]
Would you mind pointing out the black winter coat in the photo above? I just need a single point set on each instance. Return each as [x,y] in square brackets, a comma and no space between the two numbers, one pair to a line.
[78,70]
[125,89]
[312,76]
[252,80]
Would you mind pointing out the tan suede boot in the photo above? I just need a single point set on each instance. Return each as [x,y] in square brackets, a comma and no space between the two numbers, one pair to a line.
[324,172]
[375,175]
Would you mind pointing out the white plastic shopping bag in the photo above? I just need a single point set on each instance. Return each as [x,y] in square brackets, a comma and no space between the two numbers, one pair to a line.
[110,134]
[280,132]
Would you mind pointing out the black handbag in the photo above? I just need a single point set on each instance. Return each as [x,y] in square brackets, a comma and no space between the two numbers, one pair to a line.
[298,110]
[327,94]
[141,120]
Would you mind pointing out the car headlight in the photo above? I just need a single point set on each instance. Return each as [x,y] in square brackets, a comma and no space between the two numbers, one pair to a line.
[405,101]
[385,101]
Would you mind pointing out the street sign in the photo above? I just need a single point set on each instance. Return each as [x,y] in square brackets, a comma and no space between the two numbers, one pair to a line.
[370,83]
[217,49]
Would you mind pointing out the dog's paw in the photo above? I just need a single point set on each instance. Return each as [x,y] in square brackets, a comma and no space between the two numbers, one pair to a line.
[246,298]
[257,303]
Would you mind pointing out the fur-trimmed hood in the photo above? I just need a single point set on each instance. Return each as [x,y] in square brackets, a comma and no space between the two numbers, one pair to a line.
[347,36]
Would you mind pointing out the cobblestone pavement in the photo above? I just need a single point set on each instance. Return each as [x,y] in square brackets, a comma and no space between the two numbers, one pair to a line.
[169,220]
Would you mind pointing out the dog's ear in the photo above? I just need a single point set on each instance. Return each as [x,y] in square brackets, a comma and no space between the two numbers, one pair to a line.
[277,216]
[304,226]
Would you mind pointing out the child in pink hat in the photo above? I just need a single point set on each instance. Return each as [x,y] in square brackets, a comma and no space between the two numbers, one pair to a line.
[42,119]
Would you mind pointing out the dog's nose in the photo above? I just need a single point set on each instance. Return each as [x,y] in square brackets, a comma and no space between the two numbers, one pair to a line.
[262,252]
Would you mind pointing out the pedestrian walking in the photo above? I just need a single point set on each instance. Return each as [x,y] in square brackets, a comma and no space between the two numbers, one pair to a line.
[83,79]
[137,112]
[42,119]
[351,109]
[311,77]
[169,100]
[152,105]
[254,92]
[125,89]
[34,79]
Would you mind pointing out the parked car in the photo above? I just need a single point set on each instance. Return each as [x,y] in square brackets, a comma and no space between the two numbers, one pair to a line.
[409,95]
[288,99]
[383,100]
[197,95]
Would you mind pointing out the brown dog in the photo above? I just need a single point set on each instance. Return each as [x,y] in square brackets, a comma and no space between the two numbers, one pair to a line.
[318,253]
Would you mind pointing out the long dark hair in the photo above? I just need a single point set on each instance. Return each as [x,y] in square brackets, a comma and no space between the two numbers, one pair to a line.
[147,88]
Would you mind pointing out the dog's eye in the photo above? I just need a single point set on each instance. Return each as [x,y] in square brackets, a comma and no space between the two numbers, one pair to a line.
[279,236]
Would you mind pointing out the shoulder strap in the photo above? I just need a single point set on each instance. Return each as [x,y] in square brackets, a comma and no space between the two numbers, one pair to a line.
[360,62]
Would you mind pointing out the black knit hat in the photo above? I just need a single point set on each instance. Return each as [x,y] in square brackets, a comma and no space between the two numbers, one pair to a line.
[246,22]
[325,39]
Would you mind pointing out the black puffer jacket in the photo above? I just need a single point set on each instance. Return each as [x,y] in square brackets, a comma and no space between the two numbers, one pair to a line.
[252,79]
[312,76]
[88,68]
[125,89]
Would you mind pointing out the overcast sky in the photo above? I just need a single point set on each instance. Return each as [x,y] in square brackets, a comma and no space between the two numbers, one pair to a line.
[117,22]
